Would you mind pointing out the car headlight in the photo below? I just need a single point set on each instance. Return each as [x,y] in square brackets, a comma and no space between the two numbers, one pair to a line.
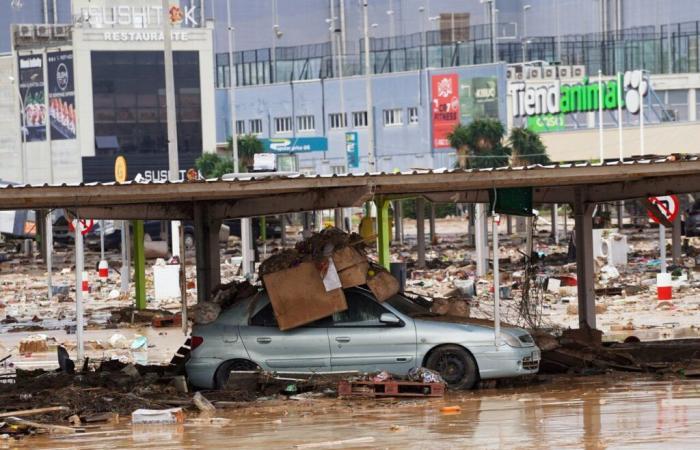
[511,340]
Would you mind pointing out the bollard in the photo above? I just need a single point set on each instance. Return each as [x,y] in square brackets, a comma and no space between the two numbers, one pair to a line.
[103,270]
[664,291]
[85,283]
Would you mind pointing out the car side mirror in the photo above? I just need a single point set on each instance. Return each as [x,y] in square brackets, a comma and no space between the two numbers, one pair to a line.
[390,319]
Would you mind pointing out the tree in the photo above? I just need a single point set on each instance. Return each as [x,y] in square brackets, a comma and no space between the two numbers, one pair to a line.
[248,145]
[212,165]
[480,144]
[527,148]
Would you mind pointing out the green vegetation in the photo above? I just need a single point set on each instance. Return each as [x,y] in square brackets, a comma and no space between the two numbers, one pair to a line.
[212,165]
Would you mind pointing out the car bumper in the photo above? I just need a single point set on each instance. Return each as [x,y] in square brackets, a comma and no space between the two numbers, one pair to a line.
[509,361]
[200,371]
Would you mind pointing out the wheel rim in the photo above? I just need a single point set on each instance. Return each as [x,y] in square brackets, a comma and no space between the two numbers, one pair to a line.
[189,242]
[451,367]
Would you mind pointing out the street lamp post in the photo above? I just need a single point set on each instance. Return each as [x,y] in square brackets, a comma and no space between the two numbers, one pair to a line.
[23,115]
[371,163]
[524,38]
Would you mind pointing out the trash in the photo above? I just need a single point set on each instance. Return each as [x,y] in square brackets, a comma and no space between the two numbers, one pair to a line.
[166,281]
[609,273]
[553,285]
[450,409]
[161,416]
[424,375]
[466,287]
[382,283]
[35,343]
[118,341]
[203,404]
[155,249]
[139,350]
[331,281]
[347,257]
[205,312]
[344,442]
[114,294]
[381,377]
[355,275]
[458,308]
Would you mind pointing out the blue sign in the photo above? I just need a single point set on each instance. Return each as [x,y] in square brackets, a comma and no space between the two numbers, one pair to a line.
[352,149]
[295,145]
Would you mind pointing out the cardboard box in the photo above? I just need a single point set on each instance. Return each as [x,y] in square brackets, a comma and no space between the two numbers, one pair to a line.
[347,257]
[299,297]
[354,275]
[383,285]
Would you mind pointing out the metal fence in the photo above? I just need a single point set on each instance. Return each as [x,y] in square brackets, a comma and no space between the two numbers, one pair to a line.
[673,48]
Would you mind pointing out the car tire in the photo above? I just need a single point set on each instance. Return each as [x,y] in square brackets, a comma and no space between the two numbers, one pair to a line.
[456,366]
[224,370]
[189,241]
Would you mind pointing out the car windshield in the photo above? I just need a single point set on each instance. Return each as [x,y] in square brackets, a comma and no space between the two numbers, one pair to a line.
[407,306]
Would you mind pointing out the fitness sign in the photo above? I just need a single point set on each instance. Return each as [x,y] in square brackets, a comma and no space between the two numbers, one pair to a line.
[626,91]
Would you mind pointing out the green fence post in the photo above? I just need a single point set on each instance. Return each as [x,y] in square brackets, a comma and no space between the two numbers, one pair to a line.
[139,265]
[383,232]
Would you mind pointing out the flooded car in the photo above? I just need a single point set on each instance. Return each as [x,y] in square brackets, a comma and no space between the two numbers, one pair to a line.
[369,336]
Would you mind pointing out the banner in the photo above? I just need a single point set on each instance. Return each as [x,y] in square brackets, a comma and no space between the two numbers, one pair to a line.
[478,98]
[445,107]
[295,145]
[352,149]
[61,95]
[31,91]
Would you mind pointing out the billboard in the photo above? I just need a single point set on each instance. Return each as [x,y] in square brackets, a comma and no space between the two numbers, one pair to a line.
[445,107]
[61,95]
[478,98]
[295,145]
[352,149]
[33,103]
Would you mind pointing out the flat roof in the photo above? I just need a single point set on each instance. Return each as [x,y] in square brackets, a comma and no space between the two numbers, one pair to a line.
[277,194]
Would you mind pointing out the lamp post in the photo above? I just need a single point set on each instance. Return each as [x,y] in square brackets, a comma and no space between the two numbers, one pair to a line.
[526,8]
[23,115]
[371,163]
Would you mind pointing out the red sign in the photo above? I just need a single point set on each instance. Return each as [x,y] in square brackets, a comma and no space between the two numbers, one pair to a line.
[669,205]
[445,94]
[87,225]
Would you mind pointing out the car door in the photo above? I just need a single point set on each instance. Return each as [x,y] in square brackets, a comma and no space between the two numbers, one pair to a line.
[303,349]
[359,341]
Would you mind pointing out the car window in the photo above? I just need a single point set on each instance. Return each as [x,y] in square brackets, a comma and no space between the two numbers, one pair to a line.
[266,318]
[362,311]
[407,306]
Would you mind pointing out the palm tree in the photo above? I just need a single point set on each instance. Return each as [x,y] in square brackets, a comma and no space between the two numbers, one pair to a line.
[527,147]
[480,144]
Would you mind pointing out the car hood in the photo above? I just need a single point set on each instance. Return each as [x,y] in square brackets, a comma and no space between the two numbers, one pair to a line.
[473,324]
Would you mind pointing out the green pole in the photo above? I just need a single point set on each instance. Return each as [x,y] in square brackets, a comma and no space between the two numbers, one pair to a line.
[139,265]
[263,229]
[383,232]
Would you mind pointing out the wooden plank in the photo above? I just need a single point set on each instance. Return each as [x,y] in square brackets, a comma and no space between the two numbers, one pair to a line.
[32,412]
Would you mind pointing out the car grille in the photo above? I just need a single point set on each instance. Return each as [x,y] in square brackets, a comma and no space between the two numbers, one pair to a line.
[531,362]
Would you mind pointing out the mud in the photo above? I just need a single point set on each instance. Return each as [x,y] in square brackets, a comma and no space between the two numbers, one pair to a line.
[593,412]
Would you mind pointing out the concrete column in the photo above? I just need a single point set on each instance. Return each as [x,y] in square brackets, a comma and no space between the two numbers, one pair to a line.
[509,225]
[420,231]
[555,232]
[620,215]
[480,240]
[283,230]
[383,233]
[692,105]
[433,236]
[338,218]
[676,241]
[583,213]
[139,265]
[471,235]
[206,234]
[520,224]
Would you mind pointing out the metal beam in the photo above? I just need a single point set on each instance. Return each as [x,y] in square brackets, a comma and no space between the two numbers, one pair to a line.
[420,232]
[139,265]
[170,211]
[383,232]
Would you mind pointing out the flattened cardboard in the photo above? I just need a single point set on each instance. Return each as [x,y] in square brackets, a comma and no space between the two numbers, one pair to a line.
[299,297]
[383,285]
[354,275]
[347,257]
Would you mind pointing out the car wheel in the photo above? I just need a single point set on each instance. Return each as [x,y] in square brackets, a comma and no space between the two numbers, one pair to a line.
[189,241]
[455,365]
[224,370]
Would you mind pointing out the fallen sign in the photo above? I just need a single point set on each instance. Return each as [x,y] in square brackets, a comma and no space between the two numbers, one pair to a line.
[664,209]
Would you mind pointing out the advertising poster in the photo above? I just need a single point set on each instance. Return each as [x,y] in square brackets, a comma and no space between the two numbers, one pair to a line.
[445,107]
[61,95]
[31,91]
[478,98]
[352,149]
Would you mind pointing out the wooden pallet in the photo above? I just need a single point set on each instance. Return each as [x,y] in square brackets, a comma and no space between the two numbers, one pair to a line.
[390,388]
[171,321]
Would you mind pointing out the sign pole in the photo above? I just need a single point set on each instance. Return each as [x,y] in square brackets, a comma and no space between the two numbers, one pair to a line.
[49,251]
[368,92]
[79,267]
[496,284]
[600,115]
[641,119]
[662,247]
[173,164]
[619,115]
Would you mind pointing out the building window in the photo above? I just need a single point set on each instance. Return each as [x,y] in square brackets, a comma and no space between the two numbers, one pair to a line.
[223,71]
[359,119]
[256,126]
[283,124]
[392,117]
[306,123]
[240,127]
[338,120]
[412,116]
[338,170]
[454,27]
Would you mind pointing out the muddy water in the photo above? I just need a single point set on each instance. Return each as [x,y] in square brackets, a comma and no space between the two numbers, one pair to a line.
[579,413]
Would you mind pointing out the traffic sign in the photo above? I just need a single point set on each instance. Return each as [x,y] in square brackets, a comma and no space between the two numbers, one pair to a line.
[87,224]
[664,209]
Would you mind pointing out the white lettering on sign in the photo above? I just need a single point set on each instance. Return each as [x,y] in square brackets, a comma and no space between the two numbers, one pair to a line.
[156,176]
[137,16]
[143,36]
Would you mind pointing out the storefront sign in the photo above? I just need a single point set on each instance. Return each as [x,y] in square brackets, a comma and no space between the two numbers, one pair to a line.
[31,90]
[120,169]
[546,123]
[580,97]
[61,95]
[352,149]
[146,36]
[478,98]
[137,16]
[295,145]
[445,107]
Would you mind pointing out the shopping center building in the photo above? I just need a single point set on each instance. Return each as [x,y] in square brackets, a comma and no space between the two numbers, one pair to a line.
[87,76]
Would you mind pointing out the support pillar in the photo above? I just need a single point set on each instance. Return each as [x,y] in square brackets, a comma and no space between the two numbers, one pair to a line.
[480,240]
[520,224]
[126,253]
[49,252]
[583,214]
[139,265]
[383,232]
[620,215]
[79,267]
[398,222]
[283,230]
[338,218]
[509,225]
[471,225]
[420,232]
[41,233]
[676,241]
[555,223]
[433,236]
[206,234]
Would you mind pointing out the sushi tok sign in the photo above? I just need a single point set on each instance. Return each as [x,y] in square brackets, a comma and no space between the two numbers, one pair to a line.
[61,95]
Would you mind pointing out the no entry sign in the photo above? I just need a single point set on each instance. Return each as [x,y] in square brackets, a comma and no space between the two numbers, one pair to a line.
[666,209]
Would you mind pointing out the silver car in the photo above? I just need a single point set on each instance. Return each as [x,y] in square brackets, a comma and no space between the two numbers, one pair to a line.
[369,336]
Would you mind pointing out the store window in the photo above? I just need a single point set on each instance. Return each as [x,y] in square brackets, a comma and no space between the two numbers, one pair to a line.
[223,71]
[337,120]
[129,105]
[359,119]
[240,127]
[412,116]
[393,117]
[305,123]
[256,126]
[283,124]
